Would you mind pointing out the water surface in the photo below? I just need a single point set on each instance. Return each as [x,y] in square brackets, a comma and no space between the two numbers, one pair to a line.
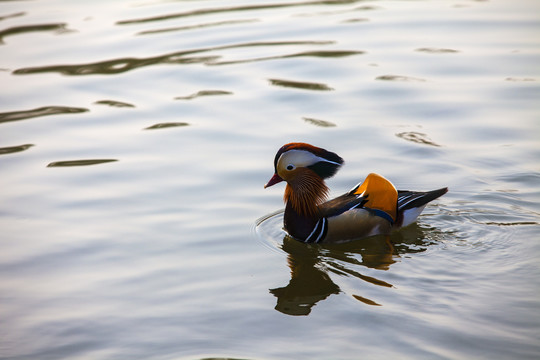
[136,137]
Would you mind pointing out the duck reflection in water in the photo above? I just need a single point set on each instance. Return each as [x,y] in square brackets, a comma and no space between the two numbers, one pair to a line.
[312,266]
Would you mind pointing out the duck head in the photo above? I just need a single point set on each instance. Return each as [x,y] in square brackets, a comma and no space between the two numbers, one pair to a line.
[296,159]
[304,167]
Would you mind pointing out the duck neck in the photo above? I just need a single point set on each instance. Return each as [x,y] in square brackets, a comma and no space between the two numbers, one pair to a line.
[303,196]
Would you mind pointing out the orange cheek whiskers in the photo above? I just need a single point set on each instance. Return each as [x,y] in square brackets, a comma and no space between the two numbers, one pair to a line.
[305,192]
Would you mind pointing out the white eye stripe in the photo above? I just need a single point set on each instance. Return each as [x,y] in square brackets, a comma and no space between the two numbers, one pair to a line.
[301,158]
[331,162]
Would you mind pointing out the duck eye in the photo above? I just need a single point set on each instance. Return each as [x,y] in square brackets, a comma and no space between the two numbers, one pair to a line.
[290,167]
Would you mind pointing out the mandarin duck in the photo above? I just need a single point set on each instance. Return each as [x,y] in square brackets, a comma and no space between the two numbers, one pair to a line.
[373,207]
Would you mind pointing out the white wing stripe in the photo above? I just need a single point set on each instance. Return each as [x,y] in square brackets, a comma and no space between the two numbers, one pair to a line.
[313,232]
[322,230]
[318,230]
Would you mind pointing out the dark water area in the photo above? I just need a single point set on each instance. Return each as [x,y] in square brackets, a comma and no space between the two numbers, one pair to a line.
[136,137]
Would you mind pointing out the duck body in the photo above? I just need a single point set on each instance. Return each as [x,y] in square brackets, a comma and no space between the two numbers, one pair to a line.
[372,207]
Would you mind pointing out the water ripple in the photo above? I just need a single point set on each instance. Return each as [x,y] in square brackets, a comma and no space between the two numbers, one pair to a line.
[196,26]
[203,93]
[166,125]
[300,85]
[120,65]
[398,78]
[318,122]
[14,149]
[524,79]
[9,16]
[417,137]
[217,10]
[320,53]
[437,50]
[57,27]
[114,103]
[42,111]
[87,162]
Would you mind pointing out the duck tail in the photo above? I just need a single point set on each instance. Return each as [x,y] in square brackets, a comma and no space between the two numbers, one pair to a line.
[411,204]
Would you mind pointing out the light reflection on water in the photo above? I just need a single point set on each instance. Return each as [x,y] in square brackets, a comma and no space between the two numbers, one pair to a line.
[135,139]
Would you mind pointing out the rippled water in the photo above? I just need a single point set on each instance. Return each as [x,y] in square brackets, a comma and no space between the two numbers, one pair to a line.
[136,137]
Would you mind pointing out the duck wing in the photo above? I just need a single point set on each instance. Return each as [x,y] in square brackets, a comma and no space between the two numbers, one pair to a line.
[376,194]
[341,204]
